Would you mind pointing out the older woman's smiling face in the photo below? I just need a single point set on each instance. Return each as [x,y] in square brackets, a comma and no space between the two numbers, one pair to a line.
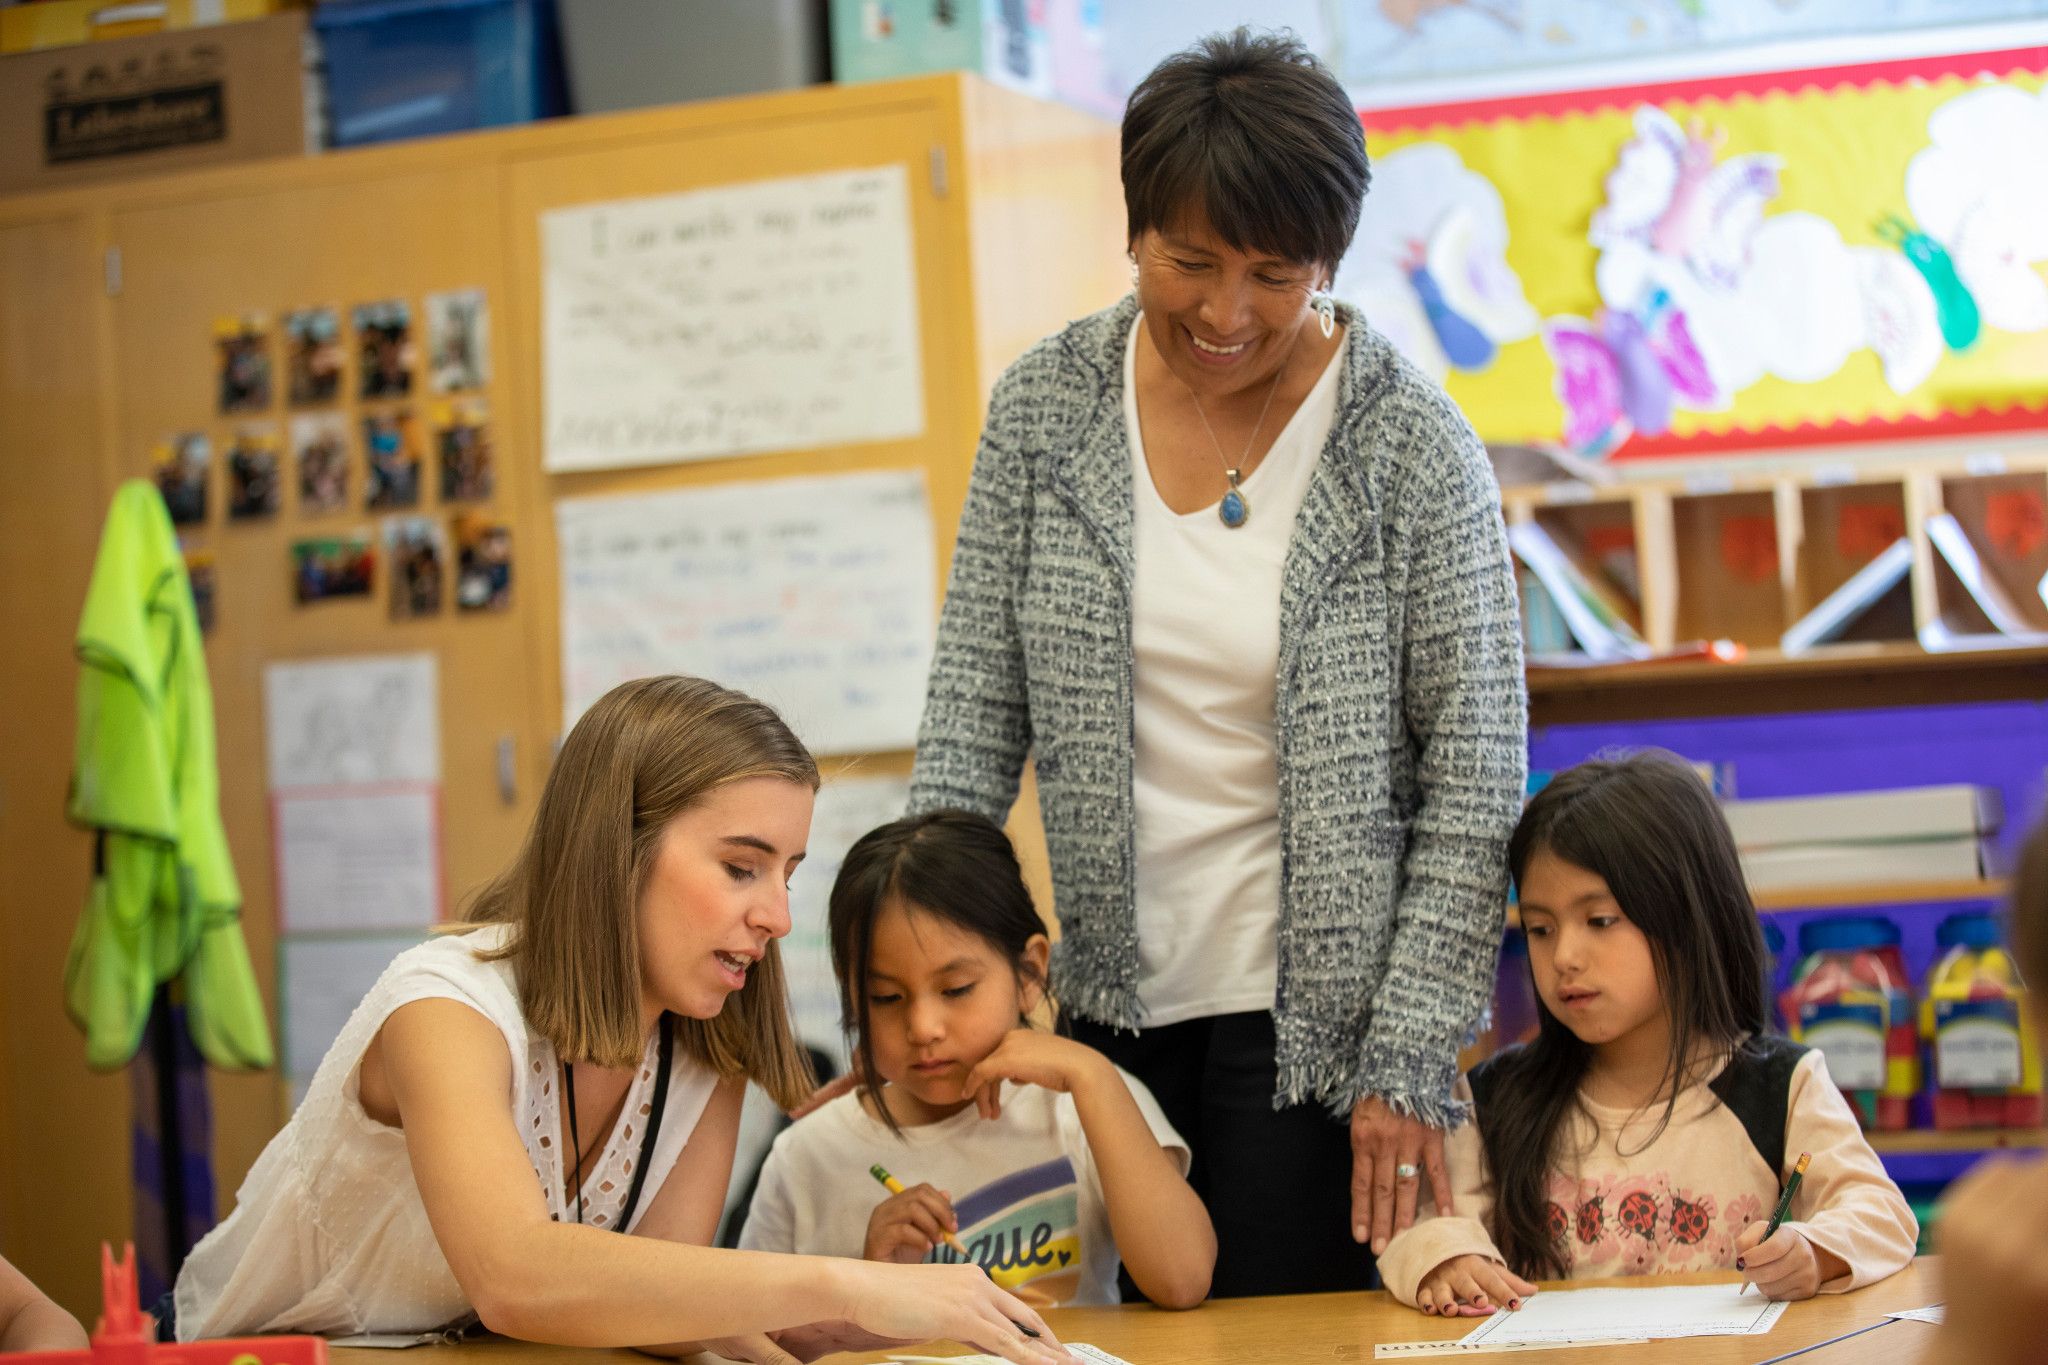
[1224,320]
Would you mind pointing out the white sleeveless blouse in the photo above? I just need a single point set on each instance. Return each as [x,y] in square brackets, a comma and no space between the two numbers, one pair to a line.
[329,1236]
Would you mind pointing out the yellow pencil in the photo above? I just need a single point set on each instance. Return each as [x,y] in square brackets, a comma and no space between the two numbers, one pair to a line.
[895,1186]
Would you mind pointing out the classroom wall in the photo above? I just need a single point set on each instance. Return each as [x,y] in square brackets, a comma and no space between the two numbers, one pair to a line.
[89,379]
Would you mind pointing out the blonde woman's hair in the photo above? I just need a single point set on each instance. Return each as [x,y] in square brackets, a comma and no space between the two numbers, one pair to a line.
[645,753]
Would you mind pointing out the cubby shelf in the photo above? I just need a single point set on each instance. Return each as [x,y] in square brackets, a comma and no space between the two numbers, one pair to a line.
[1745,557]
[1804,898]
[1876,893]
[1959,1140]
[1825,678]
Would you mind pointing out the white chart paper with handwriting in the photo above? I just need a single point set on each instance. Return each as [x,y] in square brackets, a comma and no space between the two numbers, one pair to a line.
[814,594]
[773,315]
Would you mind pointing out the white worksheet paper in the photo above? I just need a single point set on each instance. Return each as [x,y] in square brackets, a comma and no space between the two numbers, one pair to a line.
[1080,1350]
[1932,1313]
[1590,1315]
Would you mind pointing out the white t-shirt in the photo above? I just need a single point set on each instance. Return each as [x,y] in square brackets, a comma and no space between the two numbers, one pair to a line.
[1025,1189]
[1205,630]
[329,1235]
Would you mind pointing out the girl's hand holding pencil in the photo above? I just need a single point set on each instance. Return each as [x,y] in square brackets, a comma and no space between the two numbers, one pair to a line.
[1779,1260]
[910,1222]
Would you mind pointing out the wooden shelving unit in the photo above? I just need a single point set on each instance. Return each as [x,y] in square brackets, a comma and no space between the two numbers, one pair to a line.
[1959,1140]
[1851,897]
[1831,677]
[1876,893]
[1743,558]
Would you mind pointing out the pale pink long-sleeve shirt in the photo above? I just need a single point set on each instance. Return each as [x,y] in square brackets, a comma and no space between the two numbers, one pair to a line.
[1638,1202]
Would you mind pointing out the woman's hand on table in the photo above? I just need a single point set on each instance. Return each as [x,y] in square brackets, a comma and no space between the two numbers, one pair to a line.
[1471,1286]
[1390,1153]
[947,1303]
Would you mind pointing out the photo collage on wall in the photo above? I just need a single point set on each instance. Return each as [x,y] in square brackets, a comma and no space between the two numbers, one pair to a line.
[323,413]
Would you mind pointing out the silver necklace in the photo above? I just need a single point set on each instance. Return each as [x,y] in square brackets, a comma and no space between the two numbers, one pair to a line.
[1235,509]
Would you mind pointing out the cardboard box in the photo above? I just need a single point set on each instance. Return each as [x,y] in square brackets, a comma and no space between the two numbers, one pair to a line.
[60,23]
[161,102]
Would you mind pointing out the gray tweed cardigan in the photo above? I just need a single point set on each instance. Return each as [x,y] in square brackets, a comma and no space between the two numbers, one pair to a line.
[1400,708]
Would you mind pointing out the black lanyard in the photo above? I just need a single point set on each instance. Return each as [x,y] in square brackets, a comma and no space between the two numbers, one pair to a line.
[667,1053]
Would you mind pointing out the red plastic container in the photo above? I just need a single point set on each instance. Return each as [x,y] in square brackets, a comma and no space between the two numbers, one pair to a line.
[127,1336]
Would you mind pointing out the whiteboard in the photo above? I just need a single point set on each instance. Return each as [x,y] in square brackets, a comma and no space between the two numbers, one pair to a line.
[776,315]
[848,807]
[813,594]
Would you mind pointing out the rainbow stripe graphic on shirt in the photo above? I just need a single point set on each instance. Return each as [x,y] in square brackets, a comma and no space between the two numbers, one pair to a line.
[1025,1230]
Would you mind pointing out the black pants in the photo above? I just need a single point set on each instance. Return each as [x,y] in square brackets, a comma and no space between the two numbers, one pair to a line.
[1277,1183]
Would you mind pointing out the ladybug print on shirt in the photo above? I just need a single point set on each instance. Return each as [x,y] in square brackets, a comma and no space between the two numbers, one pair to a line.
[1643,1224]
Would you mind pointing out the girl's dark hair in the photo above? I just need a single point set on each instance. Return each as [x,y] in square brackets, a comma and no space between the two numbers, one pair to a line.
[1647,825]
[1253,131]
[955,866]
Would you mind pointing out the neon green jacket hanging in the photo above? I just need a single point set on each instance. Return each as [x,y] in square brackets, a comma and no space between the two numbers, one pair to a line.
[164,897]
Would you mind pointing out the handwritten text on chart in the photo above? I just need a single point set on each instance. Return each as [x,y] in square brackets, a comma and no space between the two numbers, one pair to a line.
[776,315]
[814,594]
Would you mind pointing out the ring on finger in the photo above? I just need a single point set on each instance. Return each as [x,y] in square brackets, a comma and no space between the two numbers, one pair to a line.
[1406,1171]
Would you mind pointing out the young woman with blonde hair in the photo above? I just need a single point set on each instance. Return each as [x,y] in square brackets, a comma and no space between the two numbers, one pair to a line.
[572,1065]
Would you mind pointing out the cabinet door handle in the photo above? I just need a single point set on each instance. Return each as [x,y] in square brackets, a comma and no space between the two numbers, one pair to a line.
[508,771]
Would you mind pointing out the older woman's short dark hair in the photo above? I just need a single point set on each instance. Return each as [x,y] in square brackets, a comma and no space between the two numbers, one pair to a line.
[1254,133]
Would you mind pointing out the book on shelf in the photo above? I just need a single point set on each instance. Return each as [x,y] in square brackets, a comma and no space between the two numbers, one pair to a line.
[2010,625]
[1840,609]
[1949,811]
[1595,619]
[1845,864]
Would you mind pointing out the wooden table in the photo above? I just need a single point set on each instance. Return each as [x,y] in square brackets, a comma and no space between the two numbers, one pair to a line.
[1343,1328]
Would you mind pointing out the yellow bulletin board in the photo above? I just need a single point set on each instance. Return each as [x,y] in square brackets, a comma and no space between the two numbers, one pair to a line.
[1767,260]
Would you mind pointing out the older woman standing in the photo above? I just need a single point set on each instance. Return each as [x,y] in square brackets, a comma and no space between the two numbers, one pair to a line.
[1233,574]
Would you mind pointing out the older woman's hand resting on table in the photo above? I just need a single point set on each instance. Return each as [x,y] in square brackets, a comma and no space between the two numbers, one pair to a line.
[1390,1153]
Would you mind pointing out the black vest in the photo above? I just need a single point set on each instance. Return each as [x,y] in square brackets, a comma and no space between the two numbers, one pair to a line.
[1756,1085]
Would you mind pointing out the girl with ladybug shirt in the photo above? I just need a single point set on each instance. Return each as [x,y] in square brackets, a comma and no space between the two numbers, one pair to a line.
[1650,1125]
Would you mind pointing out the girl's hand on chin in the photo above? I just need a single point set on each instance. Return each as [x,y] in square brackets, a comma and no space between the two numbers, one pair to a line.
[1029,1056]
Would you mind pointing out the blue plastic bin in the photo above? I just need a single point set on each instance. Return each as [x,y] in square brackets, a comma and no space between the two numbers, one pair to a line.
[415,68]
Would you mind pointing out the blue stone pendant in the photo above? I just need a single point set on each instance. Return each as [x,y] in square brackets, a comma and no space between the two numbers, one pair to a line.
[1234,510]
